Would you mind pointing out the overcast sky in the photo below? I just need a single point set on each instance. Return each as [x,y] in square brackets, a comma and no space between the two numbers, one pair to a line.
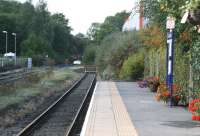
[81,13]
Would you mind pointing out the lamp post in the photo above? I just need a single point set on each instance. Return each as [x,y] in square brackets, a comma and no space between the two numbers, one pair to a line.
[6,41]
[15,35]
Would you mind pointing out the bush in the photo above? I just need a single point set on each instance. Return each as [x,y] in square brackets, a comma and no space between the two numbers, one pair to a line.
[89,55]
[133,67]
[114,50]
[108,74]
[38,60]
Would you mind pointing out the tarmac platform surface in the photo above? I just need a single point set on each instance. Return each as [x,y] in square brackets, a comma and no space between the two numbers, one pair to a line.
[124,109]
[152,118]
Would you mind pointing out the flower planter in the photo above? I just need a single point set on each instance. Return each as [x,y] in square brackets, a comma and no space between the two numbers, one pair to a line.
[175,101]
[196,117]
[142,84]
[154,87]
[194,108]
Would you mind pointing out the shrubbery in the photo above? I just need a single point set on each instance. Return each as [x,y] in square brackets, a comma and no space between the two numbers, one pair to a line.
[114,50]
[133,67]
[89,55]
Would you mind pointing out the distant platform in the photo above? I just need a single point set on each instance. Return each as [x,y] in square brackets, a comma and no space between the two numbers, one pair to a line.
[107,114]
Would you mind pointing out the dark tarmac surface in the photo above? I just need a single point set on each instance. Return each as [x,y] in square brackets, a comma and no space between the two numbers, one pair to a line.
[152,118]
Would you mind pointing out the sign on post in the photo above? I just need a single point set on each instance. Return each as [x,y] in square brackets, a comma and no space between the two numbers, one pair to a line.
[170,23]
[170,54]
[29,63]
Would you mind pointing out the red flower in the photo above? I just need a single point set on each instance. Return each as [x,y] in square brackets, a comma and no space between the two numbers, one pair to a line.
[194,105]
[193,117]
[174,87]
[166,94]
[197,117]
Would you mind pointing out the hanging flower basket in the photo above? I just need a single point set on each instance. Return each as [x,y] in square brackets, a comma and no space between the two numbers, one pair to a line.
[153,83]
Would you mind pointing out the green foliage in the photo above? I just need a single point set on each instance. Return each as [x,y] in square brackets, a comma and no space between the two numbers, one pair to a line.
[80,42]
[133,67]
[195,60]
[97,32]
[191,4]
[181,68]
[114,50]
[186,43]
[155,65]
[89,55]
[39,33]
[34,45]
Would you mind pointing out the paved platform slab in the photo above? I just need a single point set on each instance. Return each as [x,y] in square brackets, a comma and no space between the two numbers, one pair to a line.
[152,118]
[107,115]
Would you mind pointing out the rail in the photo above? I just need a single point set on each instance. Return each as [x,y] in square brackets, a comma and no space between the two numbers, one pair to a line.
[30,128]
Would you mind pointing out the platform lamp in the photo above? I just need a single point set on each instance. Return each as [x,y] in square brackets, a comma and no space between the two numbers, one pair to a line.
[15,35]
[6,40]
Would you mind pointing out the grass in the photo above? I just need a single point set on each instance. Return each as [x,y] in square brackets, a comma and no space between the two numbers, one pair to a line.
[54,82]
[25,97]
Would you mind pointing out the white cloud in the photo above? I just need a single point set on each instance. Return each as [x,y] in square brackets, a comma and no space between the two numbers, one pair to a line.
[82,13]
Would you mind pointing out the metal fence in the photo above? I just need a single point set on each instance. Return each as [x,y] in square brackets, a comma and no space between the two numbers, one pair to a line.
[10,63]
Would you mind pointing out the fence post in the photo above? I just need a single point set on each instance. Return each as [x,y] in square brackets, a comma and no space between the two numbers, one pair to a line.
[1,62]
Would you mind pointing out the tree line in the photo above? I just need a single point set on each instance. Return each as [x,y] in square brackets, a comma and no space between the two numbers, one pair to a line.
[99,32]
[40,34]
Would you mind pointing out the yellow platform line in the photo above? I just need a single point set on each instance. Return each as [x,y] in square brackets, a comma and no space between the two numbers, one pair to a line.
[124,124]
[107,115]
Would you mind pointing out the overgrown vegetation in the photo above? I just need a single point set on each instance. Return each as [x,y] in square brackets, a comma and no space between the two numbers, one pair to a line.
[120,55]
[133,67]
[33,91]
[113,51]
[89,55]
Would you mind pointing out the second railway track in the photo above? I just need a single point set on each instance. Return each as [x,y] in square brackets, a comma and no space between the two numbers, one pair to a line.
[59,119]
[9,77]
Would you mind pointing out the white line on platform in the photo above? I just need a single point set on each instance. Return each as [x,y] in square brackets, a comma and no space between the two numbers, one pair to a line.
[83,131]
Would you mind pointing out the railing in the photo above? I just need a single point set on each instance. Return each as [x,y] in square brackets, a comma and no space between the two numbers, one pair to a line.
[10,63]
[90,69]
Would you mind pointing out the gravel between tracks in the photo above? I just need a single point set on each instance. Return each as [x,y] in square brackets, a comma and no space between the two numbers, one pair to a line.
[22,122]
[60,119]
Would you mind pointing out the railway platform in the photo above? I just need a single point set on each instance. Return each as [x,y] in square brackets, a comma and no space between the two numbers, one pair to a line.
[107,115]
[124,109]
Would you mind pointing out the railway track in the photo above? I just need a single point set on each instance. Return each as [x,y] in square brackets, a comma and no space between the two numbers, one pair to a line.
[60,119]
[12,76]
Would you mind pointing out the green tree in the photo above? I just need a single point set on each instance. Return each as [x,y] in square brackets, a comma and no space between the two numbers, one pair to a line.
[62,38]
[97,32]
[89,55]
[35,45]
[80,42]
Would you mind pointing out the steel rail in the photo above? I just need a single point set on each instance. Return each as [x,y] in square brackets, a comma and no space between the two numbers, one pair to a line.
[78,114]
[12,72]
[29,128]
[14,77]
